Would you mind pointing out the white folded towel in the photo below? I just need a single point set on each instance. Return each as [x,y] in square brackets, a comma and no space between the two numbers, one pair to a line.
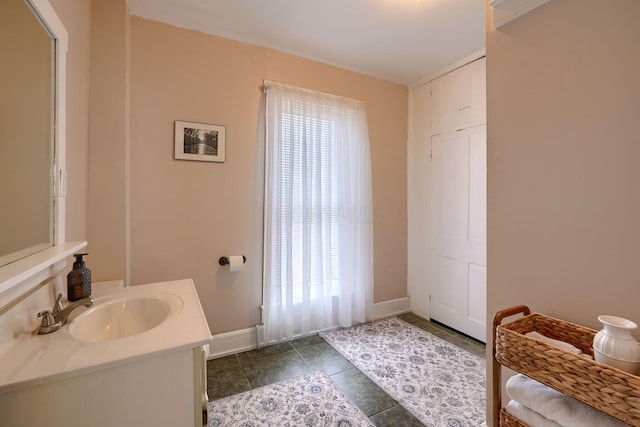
[556,406]
[529,417]
[556,343]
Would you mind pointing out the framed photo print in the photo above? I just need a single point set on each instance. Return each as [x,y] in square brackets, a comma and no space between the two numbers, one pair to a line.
[198,141]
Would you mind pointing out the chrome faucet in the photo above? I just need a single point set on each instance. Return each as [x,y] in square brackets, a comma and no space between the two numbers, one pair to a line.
[59,315]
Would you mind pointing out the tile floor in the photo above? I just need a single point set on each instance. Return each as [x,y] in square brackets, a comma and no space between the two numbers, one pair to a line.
[252,369]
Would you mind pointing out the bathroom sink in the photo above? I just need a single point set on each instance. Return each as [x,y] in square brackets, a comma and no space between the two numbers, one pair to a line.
[122,317]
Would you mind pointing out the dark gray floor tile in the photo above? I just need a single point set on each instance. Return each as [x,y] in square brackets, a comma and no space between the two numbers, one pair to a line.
[276,368]
[225,382]
[367,396]
[307,341]
[472,346]
[409,317]
[222,362]
[261,353]
[395,417]
[323,356]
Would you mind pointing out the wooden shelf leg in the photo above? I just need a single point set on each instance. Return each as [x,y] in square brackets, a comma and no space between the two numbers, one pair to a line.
[496,367]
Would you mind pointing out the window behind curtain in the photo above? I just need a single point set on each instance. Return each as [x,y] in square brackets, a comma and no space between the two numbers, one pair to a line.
[313,137]
[317,213]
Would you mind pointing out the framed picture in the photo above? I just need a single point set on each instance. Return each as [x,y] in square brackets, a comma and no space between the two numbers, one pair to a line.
[198,141]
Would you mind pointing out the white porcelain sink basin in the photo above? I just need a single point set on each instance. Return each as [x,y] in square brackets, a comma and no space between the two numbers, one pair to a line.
[121,317]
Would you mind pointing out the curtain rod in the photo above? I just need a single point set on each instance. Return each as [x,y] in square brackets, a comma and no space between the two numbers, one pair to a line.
[271,83]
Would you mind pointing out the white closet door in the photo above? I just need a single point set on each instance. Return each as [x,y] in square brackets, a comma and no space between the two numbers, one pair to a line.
[459,98]
[459,207]
[452,92]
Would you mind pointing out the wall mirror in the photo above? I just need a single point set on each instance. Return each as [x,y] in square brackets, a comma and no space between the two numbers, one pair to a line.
[27,132]
[33,49]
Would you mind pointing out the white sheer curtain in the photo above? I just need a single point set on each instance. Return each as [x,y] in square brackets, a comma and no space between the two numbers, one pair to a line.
[318,244]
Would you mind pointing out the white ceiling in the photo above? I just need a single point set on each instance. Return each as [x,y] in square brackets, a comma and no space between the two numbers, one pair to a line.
[397,40]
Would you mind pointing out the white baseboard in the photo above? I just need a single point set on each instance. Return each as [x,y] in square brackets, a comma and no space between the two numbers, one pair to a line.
[233,342]
[389,308]
[247,339]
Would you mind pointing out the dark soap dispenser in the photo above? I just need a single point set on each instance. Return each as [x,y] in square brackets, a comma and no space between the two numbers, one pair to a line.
[79,280]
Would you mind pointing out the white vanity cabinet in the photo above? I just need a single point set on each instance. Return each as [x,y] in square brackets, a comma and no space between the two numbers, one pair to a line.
[165,390]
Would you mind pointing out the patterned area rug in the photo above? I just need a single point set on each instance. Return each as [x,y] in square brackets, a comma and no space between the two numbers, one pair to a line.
[440,384]
[310,400]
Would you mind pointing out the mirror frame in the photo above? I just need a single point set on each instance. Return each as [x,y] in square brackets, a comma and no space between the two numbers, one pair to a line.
[17,272]
[49,18]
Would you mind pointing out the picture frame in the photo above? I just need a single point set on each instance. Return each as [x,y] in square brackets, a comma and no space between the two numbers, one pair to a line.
[200,142]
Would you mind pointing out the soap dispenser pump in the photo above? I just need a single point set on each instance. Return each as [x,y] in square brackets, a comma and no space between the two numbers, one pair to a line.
[79,280]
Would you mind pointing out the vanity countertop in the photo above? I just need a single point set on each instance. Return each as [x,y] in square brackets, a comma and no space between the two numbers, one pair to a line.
[34,359]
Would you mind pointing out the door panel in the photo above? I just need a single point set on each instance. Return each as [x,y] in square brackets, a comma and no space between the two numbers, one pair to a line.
[453,198]
[454,99]
[478,188]
[459,98]
[477,293]
[458,296]
[452,274]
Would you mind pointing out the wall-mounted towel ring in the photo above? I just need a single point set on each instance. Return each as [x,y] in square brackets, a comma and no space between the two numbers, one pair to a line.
[225,260]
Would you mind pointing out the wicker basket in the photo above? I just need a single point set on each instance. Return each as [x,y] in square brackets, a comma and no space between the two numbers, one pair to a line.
[507,420]
[603,387]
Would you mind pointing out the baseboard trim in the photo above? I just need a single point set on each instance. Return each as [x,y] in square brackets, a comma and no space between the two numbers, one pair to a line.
[233,342]
[247,339]
[389,308]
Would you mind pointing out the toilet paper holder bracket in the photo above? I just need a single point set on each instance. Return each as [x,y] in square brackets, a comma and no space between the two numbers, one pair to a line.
[225,260]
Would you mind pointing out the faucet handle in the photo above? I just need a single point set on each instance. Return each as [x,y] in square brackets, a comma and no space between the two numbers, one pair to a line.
[49,323]
[57,306]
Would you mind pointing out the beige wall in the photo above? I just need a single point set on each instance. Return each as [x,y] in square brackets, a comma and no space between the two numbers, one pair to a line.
[563,150]
[108,140]
[185,215]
